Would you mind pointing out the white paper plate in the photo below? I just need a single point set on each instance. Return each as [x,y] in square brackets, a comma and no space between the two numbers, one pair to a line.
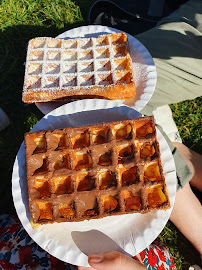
[73,241]
[143,66]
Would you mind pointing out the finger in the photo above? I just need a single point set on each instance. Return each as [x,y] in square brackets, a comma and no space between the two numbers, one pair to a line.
[85,268]
[113,261]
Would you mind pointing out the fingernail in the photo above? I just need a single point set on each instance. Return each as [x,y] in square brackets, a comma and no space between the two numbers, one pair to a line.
[96,258]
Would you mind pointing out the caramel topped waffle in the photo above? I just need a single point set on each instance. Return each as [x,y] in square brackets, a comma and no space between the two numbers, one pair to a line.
[94,171]
[78,68]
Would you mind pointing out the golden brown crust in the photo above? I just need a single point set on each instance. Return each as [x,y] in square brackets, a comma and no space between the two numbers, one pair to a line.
[111,92]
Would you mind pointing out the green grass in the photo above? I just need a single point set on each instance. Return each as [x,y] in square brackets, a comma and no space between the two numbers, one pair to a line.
[22,20]
[187,116]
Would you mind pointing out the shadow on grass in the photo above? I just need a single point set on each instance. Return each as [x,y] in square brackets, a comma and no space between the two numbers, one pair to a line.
[13,45]
[183,252]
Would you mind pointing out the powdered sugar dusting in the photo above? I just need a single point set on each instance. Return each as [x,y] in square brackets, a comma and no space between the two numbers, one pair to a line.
[76,63]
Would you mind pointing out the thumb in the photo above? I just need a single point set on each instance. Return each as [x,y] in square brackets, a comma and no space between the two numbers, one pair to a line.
[113,261]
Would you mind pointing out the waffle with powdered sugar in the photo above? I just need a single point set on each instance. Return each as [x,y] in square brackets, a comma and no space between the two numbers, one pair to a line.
[78,68]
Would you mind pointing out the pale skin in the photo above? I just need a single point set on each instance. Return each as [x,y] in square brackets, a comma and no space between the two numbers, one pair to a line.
[187,210]
[186,216]
[112,261]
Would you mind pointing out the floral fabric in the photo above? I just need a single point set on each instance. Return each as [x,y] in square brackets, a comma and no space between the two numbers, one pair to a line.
[19,251]
[157,257]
